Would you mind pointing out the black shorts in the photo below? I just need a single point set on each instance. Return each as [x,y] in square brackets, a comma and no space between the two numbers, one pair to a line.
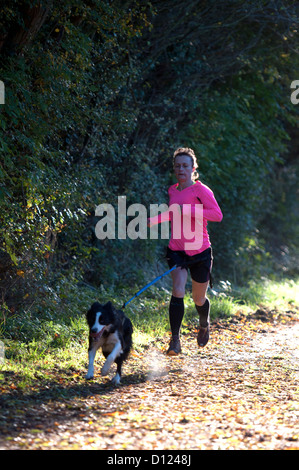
[200,265]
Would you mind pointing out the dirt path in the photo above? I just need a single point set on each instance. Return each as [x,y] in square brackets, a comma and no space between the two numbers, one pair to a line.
[240,392]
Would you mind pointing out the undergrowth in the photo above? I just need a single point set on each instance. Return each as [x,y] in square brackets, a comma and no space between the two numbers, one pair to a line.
[53,332]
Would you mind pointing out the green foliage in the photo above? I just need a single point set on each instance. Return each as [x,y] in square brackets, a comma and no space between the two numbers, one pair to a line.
[98,95]
[55,326]
[239,143]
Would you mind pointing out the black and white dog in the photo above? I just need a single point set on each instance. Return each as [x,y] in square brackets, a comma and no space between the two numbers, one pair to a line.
[110,330]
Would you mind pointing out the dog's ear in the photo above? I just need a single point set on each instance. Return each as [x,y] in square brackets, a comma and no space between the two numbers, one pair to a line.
[88,312]
[109,306]
[96,306]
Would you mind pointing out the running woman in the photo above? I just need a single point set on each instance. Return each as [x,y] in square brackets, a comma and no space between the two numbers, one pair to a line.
[196,203]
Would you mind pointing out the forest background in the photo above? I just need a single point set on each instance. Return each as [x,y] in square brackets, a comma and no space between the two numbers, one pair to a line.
[98,95]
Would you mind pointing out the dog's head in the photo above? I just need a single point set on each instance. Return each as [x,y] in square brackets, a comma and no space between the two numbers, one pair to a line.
[99,318]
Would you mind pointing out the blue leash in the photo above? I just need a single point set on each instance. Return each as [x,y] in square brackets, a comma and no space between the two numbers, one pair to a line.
[148,285]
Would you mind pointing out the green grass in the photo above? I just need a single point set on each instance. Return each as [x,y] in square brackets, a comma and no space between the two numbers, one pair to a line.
[53,331]
[271,294]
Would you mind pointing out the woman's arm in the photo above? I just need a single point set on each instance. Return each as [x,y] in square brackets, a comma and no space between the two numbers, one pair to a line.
[211,209]
[158,219]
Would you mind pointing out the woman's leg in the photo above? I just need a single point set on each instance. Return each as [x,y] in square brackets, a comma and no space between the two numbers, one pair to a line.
[179,279]
[202,304]
[176,308]
[199,292]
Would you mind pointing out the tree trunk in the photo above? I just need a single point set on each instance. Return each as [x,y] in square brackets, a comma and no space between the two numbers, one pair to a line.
[20,36]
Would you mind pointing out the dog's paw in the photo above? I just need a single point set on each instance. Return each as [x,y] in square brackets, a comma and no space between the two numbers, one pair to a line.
[105,369]
[116,380]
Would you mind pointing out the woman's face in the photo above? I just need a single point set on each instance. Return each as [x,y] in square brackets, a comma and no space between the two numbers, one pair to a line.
[183,168]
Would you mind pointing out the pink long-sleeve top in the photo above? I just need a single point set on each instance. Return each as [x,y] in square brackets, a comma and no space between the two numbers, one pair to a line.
[196,206]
